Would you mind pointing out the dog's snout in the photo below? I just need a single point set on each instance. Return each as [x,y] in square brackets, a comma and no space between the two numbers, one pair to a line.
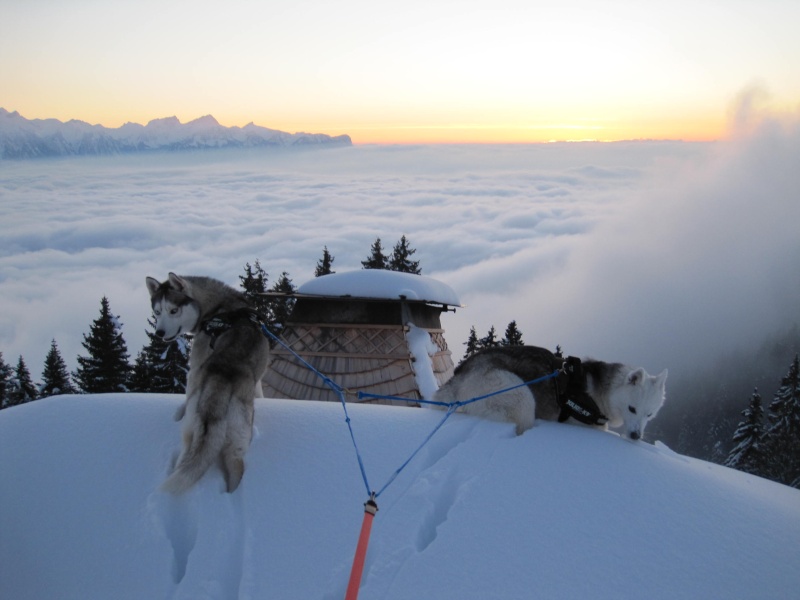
[635,435]
[160,334]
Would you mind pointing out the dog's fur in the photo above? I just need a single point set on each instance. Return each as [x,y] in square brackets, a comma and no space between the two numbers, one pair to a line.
[224,376]
[627,396]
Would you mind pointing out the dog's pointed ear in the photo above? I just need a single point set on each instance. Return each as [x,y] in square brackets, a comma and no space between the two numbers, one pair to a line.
[152,285]
[636,377]
[661,379]
[178,282]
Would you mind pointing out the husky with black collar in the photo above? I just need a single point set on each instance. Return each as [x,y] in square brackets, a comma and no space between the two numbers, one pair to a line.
[228,359]
[596,393]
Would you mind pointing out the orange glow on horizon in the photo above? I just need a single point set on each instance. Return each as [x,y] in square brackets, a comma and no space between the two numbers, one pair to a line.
[705,127]
[528,135]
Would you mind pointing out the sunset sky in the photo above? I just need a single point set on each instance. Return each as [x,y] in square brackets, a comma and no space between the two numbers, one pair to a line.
[404,72]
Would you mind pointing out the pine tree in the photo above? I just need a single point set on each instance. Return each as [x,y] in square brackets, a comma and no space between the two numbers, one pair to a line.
[5,382]
[141,373]
[281,306]
[106,369]
[401,258]
[783,435]
[254,284]
[22,389]
[513,336]
[376,259]
[55,377]
[747,454]
[324,264]
[472,344]
[161,367]
[490,341]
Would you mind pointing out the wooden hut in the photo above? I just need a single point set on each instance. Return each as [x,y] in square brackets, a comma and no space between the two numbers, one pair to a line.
[374,331]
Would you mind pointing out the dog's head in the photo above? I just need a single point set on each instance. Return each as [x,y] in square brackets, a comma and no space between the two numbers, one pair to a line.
[636,400]
[174,309]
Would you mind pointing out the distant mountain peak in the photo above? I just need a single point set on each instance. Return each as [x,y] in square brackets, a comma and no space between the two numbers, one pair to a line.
[206,121]
[164,122]
[21,138]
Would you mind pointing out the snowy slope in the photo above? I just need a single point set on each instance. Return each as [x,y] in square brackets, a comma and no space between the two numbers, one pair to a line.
[559,512]
[24,138]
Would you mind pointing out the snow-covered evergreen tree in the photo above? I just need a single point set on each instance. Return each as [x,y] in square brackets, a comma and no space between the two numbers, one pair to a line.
[376,259]
[5,382]
[139,381]
[324,264]
[161,367]
[106,368]
[513,336]
[401,258]
[747,454]
[783,436]
[22,388]
[55,376]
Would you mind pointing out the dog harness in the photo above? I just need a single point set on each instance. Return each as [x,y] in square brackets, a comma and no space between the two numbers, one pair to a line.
[575,401]
[219,324]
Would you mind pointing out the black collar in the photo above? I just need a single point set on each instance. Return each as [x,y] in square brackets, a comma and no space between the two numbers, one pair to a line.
[573,399]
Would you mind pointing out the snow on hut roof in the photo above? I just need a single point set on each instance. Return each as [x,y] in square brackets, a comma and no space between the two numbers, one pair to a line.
[380,284]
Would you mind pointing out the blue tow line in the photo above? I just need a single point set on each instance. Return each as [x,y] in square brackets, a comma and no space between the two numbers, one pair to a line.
[450,406]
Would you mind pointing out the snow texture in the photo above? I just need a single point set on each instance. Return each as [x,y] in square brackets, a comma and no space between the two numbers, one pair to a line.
[421,347]
[560,512]
[381,284]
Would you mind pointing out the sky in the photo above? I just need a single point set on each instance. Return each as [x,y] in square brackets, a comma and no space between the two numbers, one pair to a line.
[411,72]
[561,511]
[659,254]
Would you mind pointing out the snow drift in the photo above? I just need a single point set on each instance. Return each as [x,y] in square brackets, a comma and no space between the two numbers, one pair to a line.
[559,512]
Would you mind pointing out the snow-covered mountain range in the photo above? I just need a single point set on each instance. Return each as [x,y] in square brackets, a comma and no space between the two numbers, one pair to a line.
[22,138]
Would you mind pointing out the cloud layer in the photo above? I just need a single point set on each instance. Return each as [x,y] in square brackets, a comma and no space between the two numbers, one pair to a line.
[657,253]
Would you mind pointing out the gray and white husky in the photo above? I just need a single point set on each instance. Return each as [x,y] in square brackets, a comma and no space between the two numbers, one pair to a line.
[228,359]
[624,397]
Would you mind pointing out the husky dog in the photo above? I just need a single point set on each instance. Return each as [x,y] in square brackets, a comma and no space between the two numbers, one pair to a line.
[620,396]
[229,357]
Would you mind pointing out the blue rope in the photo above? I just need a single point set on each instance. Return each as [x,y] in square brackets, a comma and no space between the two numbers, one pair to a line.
[451,408]
[339,392]
[394,475]
[459,403]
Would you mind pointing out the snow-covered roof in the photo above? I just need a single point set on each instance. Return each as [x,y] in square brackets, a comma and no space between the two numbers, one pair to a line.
[380,284]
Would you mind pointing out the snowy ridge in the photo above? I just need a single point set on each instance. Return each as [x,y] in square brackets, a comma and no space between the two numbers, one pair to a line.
[22,138]
[559,512]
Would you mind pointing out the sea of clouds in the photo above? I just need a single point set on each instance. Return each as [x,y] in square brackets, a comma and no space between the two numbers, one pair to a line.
[656,253]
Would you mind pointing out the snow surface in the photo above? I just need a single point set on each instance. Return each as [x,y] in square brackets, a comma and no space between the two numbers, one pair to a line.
[381,284]
[559,512]
[422,347]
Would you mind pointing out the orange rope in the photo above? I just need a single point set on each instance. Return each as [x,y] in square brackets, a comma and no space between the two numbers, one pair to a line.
[370,508]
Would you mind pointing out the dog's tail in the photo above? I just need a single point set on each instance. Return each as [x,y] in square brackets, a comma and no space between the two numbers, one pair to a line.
[207,438]
[207,442]
[223,433]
